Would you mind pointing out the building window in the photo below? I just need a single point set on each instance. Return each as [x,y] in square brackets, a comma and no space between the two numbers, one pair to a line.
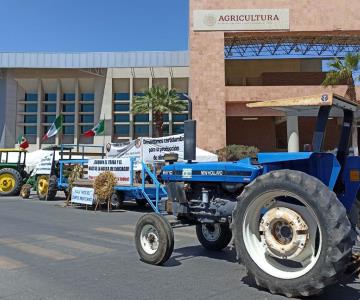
[69,119]
[121,107]
[85,128]
[30,107]
[69,97]
[68,107]
[50,97]
[179,117]
[165,129]
[49,118]
[122,130]
[121,118]
[177,129]
[30,130]
[87,97]
[30,118]
[68,130]
[87,107]
[31,97]
[121,96]
[141,130]
[50,108]
[165,117]
[141,118]
[87,118]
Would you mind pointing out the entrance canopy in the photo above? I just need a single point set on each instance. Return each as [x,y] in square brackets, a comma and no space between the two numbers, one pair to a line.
[324,44]
[308,105]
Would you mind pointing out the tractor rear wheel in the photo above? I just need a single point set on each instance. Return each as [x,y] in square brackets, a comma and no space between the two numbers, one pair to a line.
[117,199]
[154,239]
[292,233]
[46,187]
[10,182]
[213,236]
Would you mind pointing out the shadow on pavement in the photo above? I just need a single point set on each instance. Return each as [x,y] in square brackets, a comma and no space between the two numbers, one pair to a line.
[343,290]
[190,252]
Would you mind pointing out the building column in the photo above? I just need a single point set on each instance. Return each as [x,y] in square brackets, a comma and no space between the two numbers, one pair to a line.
[40,132]
[77,112]
[131,123]
[58,137]
[104,107]
[292,133]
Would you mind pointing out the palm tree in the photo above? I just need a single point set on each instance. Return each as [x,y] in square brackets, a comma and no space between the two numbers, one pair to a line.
[160,101]
[342,72]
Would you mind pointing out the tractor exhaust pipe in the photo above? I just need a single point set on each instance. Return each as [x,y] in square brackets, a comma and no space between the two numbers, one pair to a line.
[190,140]
[189,134]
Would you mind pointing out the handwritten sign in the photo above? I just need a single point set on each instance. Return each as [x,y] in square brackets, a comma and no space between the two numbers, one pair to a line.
[120,167]
[82,195]
[45,165]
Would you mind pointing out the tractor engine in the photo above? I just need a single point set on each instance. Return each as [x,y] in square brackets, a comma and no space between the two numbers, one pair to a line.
[202,202]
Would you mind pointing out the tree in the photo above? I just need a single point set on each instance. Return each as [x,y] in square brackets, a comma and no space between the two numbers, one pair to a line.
[342,72]
[158,100]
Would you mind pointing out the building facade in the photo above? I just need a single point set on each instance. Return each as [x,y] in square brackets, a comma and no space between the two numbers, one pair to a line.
[244,51]
[85,88]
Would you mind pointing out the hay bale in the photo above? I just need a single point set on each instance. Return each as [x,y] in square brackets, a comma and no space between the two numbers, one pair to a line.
[104,186]
[25,191]
[76,173]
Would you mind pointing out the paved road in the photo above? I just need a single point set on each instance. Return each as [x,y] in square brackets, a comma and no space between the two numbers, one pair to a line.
[51,252]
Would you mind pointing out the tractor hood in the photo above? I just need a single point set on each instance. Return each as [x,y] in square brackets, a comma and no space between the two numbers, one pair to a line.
[271,157]
[240,171]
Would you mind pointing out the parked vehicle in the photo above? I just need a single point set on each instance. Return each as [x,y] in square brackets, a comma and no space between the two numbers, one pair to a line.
[291,216]
[12,171]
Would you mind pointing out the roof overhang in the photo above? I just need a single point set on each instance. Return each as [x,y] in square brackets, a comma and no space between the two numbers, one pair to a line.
[308,105]
[318,43]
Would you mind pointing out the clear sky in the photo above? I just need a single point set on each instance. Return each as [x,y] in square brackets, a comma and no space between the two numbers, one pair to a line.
[93,25]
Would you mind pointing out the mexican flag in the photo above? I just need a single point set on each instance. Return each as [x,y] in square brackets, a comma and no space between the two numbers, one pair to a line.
[97,130]
[23,142]
[54,129]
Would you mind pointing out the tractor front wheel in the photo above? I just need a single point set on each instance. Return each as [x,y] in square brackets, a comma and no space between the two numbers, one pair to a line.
[292,233]
[154,239]
[213,236]
[10,182]
[46,187]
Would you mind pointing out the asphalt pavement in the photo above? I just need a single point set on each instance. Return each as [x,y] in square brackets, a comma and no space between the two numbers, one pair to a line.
[48,251]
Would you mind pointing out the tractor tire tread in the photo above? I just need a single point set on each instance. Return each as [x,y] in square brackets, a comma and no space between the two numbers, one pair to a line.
[223,240]
[166,245]
[18,182]
[331,265]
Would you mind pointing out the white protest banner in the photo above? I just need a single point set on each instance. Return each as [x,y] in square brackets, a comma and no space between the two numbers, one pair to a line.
[128,149]
[82,195]
[153,149]
[45,165]
[119,167]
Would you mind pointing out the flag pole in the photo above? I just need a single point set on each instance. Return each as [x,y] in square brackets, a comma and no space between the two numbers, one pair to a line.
[103,150]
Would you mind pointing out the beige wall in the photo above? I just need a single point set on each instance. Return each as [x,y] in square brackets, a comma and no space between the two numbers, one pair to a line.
[207,67]
[238,72]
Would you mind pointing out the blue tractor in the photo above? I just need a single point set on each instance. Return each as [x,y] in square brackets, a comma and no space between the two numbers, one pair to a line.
[292,217]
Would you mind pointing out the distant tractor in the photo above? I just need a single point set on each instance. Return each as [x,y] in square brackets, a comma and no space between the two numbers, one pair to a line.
[45,178]
[12,171]
[292,216]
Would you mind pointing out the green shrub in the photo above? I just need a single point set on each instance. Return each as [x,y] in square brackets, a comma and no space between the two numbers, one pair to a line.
[236,152]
